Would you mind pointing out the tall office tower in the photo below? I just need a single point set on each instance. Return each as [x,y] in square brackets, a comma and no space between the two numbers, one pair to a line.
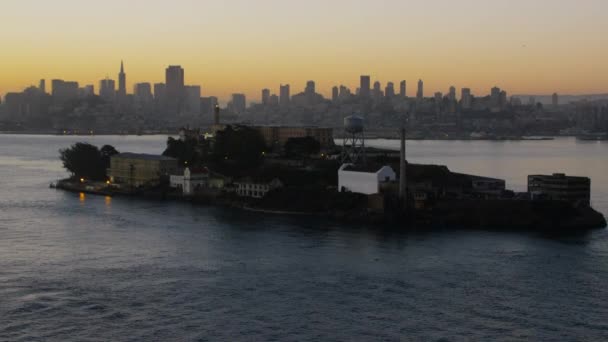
[208,105]
[310,87]
[192,99]
[284,96]
[265,96]
[364,86]
[555,100]
[143,91]
[122,82]
[87,90]
[452,94]
[466,99]
[273,100]
[142,95]
[502,102]
[377,92]
[239,103]
[160,97]
[495,97]
[389,91]
[532,101]
[42,86]
[420,92]
[438,97]
[64,91]
[175,90]
[107,90]
[438,102]
[402,89]
[344,92]
[335,94]
[214,102]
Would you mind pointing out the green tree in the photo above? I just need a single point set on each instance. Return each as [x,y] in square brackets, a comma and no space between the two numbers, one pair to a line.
[83,160]
[107,151]
[184,151]
[241,144]
[302,147]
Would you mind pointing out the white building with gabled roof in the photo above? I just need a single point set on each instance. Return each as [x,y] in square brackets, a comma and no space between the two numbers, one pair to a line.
[364,180]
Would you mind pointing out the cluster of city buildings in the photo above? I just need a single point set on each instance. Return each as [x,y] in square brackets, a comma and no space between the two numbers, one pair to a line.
[68,106]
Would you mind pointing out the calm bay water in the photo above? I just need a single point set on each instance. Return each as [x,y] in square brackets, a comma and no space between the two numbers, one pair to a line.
[87,268]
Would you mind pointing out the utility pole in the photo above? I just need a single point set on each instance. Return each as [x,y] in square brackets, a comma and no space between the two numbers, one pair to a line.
[402,166]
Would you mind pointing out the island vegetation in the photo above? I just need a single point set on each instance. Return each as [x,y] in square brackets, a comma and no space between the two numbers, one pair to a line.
[86,161]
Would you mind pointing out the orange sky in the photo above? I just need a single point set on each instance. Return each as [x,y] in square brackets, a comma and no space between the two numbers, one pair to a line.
[230,46]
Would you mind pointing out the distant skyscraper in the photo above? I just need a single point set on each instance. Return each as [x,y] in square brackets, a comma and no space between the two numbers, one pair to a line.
[160,97]
[420,92]
[555,100]
[495,97]
[344,92]
[143,91]
[87,90]
[335,93]
[273,100]
[438,97]
[239,103]
[107,90]
[438,102]
[452,94]
[284,95]
[310,87]
[122,82]
[64,90]
[465,98]
[174,80]
[265,96]
[403,89]
[364,87]
[192,99]
[503,99]
[389,91]
[142,96]
[42,86]
[377,92]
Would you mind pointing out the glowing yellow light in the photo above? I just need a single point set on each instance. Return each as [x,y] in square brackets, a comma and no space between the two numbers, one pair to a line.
[108,182]
[81,180]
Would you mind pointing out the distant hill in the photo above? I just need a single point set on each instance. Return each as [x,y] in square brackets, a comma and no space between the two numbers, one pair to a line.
[563,99]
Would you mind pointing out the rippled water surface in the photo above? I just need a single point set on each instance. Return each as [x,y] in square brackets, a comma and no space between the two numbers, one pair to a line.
[86,268]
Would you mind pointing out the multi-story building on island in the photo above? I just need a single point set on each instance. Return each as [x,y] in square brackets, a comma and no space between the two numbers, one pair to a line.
[576,190]
[136,170]
[278,135]
[253,188]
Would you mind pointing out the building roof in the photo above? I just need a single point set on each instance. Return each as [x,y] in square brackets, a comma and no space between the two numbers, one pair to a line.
[368,168]
[129,155]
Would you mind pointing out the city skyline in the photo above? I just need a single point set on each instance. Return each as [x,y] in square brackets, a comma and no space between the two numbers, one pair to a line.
[109,87]
[537,48]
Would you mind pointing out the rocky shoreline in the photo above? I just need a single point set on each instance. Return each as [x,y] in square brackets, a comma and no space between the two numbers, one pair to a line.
[516,215]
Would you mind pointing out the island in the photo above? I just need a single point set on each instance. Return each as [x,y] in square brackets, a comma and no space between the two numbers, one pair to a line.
[301,171]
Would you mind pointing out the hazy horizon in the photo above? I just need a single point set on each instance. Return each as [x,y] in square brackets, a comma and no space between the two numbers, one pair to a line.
[242,46]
